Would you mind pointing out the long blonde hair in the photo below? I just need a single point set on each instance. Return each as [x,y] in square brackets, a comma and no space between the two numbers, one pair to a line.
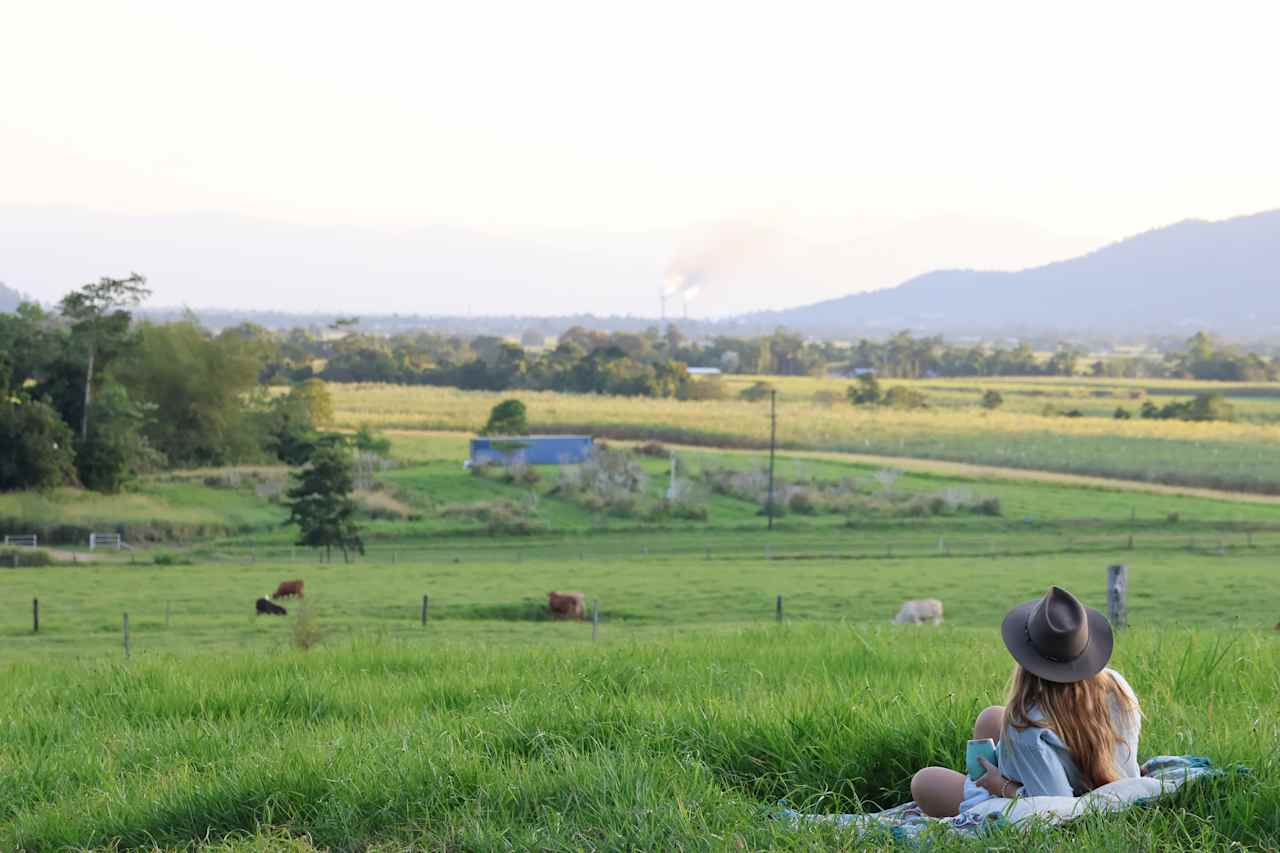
[1080,713]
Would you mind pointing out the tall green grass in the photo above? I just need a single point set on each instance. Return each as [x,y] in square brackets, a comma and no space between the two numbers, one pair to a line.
[672,744]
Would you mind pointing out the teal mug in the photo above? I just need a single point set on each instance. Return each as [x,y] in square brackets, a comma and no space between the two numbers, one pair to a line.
[975,749]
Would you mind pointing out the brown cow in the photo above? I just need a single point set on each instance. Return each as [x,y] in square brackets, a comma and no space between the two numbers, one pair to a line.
[567,605]
[288,588]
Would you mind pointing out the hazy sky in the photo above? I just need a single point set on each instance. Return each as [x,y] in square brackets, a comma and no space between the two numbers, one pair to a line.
[1081,120]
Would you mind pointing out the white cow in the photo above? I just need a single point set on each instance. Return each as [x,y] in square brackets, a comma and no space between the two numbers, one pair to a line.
[919,611]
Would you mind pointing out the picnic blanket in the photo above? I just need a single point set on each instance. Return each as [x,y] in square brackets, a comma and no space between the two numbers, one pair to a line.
[1164,775]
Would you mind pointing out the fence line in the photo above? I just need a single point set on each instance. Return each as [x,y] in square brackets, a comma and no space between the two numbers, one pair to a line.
[726,549]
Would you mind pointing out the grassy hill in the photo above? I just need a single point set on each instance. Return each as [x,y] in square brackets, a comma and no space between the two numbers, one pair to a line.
[685,742]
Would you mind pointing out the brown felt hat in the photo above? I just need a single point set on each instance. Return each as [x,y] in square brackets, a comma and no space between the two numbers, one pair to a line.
[1058,638]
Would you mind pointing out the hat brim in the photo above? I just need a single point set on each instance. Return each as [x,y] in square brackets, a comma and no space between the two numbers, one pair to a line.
[1089,663]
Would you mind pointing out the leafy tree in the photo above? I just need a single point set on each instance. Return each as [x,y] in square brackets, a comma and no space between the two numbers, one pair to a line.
[29,343]
[293,421]
[1122,414]
[756,392]
[115,448]
[367,441]
[97,318]
[201,387]
[992,400]
[867,392]
[321,506]
[1064,361]
[35,445]
[1203,407]
[902,397]
[507,418]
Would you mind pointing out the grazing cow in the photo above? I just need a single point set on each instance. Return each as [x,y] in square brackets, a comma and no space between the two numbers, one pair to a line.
[288,588]
[266,605]
[920,611]
[567,605]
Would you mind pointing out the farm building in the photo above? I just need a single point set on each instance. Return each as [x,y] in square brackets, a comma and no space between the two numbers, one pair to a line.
[531,449]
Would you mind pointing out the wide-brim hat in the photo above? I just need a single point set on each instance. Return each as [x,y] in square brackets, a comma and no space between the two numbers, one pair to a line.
[1058,638]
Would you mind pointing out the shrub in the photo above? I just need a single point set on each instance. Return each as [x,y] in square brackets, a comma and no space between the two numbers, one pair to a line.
[514,524]
[653,449]
[756,392]
[866,393]
[678,508]
[902,397]
[24,557]
[507,418]
[708,388]
[164,558]
[803,502]
[307,632]
[520,474]
[986,506]
[992,400]
[622,506]
[1122,414]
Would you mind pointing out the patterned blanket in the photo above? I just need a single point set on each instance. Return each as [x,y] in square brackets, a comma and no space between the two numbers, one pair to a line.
[906,823]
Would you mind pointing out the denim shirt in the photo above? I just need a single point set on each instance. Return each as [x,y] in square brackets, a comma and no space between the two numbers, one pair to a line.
[1039,759]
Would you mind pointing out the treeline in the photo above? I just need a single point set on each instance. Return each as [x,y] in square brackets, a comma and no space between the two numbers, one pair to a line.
[1202,357]
[651,363]
[88,396]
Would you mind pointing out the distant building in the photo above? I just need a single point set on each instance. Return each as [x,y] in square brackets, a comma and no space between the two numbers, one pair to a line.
[531,449]
[703,371]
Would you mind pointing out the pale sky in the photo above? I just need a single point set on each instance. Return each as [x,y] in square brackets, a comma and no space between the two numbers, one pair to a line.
[1082,122]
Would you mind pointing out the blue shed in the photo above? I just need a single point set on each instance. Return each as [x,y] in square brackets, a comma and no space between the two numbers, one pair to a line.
[531,449]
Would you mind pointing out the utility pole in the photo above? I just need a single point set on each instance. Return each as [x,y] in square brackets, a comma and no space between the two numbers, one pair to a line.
[773,435]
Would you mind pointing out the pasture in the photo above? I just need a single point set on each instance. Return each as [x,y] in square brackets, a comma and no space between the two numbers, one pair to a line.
[350,725]
[683,741]
[1231,456]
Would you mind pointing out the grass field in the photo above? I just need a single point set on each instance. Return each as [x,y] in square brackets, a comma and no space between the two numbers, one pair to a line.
[672,743]
[1233,456]
[210,606]
[350,725]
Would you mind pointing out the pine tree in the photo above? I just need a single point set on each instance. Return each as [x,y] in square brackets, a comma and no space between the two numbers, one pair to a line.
[320,504]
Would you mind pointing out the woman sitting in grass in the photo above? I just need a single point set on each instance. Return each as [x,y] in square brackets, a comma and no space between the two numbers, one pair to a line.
[1070,724]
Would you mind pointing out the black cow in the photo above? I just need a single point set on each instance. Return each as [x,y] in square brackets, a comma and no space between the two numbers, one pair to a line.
[266,605]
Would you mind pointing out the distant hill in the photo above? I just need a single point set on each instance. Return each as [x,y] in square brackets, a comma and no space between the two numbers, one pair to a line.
[1223,276]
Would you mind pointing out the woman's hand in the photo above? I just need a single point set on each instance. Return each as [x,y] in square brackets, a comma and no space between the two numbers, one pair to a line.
[995,783]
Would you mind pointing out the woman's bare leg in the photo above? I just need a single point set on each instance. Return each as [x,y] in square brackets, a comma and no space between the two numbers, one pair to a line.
[938,791]
[990,723]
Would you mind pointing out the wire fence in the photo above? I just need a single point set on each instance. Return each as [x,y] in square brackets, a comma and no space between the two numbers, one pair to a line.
[725,548]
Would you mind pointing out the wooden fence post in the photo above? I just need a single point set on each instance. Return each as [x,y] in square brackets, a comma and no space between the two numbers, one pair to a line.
[424,610]
[1118,595]
[779,608]
[35,616]
[126,635]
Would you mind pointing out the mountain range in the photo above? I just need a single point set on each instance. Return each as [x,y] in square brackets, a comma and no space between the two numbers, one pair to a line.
[1223,276]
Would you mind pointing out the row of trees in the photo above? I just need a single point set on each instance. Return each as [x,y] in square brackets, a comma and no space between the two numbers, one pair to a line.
[650,363]
[90,397]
